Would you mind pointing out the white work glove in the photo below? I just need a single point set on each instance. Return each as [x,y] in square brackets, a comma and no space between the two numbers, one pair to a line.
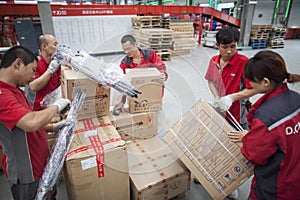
[224,103]
[214,102]
[59,125]
[62,105]
[162,78]
[53,66]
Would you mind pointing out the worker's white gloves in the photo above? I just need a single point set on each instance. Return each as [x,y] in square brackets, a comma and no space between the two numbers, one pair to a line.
[162,78]
[53,66]
[224,103]
[63,105]
[59,125]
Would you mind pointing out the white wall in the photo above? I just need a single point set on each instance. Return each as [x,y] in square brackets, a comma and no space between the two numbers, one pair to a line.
[266,8]
[294,19]
[93,34]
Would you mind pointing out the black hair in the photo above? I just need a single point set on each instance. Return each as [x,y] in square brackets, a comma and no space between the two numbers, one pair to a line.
[228,35]
[127,38]
[266,64]
[15,52]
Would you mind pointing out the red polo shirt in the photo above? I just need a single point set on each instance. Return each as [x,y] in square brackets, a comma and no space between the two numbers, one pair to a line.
[26,153]
[52,84]
[148,56]
[229,80]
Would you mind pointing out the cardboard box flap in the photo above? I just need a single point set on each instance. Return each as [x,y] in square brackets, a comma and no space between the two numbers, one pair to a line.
[138,125]
[93,134]
[142,76]
[200,140]
[154,160]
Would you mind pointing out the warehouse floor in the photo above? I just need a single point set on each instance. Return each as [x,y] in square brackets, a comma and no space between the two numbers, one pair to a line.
[184,87]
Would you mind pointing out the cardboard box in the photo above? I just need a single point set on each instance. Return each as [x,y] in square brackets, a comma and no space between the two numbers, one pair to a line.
[155,171]
[200,140]
[97,100]
[138,125]
[51,143]
[145,80]
[102,175]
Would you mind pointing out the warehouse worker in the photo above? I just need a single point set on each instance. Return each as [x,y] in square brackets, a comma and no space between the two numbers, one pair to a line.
[272,143]
[225,81]
[139,58]
[25,148]
[225,77]
[47,75]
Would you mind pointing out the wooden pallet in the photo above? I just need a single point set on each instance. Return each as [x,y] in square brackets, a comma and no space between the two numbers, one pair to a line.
[164,54]
[146,22]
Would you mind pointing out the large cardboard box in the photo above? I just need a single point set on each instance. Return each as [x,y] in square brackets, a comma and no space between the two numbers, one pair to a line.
[96,165]
[97,100]
[145,80]
[155,171]
[137,125]
[200,140]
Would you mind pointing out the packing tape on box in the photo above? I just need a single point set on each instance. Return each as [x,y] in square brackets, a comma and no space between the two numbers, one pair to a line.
[154,164]
[95,143]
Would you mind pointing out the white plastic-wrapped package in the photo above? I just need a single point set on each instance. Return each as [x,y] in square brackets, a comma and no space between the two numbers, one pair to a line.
[107,74]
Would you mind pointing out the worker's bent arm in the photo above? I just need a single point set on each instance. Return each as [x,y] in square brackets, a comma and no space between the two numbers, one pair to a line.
[36,120]
[212,88]
[40,82]
[244,94]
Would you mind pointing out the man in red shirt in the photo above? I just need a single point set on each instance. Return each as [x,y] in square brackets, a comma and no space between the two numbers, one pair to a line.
[138,58]
[225,81]
[225,77]
[47,75]
[24,146]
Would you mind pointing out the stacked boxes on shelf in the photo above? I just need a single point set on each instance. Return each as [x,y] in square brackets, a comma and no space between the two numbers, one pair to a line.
[183,37]
[259,35]
[276,38]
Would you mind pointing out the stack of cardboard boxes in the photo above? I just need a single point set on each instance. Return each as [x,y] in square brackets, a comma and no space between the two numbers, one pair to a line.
[155,172]
[96,165]
[120,157]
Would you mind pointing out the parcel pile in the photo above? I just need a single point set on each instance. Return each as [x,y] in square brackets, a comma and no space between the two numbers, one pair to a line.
[122,157]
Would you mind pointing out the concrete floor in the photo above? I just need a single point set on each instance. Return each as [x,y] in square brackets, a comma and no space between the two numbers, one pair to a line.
[183,89]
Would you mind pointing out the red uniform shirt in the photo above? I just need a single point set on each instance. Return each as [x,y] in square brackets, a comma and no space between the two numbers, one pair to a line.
[148,57]
[26,153]
[230,80]
[272,145]
[52,84]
